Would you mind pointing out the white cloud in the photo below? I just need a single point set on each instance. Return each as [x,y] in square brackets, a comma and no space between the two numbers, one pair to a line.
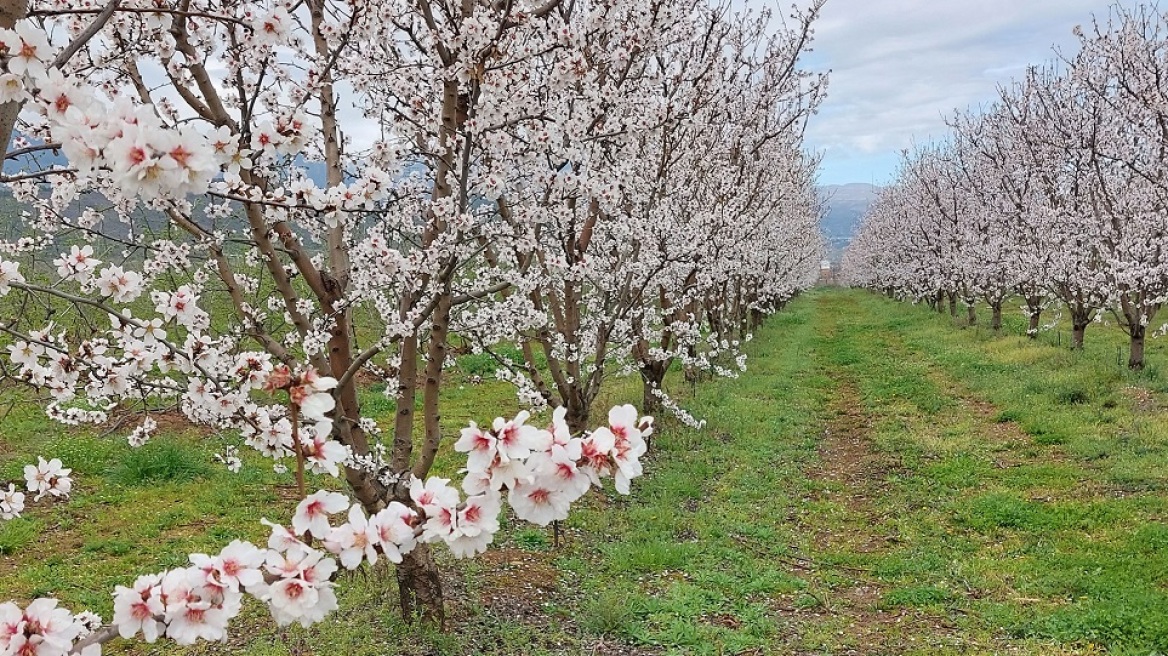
[899,67]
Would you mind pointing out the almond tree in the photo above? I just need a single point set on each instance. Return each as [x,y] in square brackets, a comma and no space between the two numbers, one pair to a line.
[1122,65]
[742,231]
[249,187]
[609,220]
[1008,183]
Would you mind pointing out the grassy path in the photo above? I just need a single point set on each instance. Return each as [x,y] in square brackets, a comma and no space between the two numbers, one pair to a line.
[951,529]
[879,482]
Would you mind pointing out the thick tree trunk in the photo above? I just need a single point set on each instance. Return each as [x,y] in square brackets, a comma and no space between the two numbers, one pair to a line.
[953,305]
[996,316]
[652,377]
[1077,331]
[1035,320]
[577,416]
[1135,360]
[756,319]
[971,314]
[420,587]
[692,375]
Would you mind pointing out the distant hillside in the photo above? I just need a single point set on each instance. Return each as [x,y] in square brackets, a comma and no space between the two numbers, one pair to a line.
[846,205]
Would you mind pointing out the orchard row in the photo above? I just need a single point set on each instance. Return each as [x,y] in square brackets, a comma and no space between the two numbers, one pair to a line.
[1056,194]
[270,197]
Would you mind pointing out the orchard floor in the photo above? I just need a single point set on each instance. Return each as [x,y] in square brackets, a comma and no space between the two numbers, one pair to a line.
[882,481]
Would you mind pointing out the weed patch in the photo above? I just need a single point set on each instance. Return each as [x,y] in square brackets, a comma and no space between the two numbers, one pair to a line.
[157,462]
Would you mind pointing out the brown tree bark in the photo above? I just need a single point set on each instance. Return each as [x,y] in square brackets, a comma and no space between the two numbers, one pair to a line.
[756,319]
[419,587]
[435,359]
[996,316]
[1077,331]
[1135,360]
[652,377]
[577,415]
[11,11]
[1035,321]
[971,314]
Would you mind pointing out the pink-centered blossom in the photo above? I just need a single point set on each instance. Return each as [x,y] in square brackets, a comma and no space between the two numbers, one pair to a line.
[355,541]
[48,478]
[11,502]
[9,274]
[394,526]
[137,609]
[28,49]
[313,512]
[541,501]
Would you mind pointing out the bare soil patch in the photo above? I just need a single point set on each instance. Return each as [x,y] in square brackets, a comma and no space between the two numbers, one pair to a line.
[517,583]
[853,473]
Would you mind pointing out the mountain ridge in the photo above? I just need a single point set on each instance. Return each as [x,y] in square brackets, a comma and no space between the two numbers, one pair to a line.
[846,204]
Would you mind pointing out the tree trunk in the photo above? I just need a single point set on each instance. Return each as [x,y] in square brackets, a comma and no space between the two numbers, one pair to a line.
[652,377]
[996,317]
[1135,360]
[756,319]
[407,394]
[435,360]
[11,11]
[420,587]
[692,375]
[1035,320]
[1077,331]
[971,314]
[953,305]
[577,416]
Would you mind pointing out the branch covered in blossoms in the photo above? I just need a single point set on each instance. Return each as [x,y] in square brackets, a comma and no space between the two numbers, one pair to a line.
[540,472]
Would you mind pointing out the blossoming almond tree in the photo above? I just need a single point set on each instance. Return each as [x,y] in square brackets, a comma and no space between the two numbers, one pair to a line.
[659,203]
[1122,65]
[1061,185]
[263,201]
[245,186]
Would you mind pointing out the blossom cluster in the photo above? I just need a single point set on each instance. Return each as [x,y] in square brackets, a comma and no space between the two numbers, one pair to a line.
[46,478]
[542,470]
[42,628]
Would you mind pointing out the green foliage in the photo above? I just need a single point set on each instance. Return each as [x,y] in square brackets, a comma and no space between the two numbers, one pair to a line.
[532,539]
[485,364]
[608,614]
[15,534]
[915,596]
[159,461]
[478,364]
[1000,510]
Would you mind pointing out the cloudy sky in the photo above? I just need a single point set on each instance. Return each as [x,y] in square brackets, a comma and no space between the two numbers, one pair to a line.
[898,67]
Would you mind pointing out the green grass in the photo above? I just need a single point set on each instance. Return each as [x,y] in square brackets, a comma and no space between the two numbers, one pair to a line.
[880,481]
[159,462]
